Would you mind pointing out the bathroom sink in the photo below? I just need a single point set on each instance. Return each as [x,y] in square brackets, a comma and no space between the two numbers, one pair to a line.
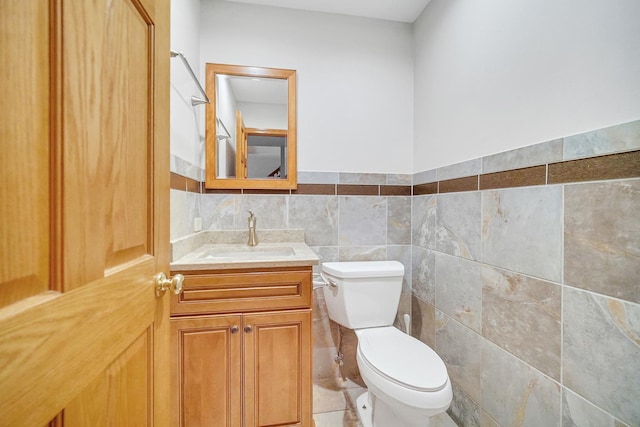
[232,251]
[249,252]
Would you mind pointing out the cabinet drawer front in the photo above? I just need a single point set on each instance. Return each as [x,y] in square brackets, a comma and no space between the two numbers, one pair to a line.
[242,291]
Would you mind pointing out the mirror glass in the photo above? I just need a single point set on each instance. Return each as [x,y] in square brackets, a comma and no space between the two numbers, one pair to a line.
[251,127]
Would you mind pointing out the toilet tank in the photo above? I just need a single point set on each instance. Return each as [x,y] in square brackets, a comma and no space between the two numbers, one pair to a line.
[366,293]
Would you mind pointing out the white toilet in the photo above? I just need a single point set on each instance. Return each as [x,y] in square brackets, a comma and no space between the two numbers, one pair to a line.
[407,381]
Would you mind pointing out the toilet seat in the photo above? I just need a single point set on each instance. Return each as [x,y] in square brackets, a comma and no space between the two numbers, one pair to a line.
[402,359]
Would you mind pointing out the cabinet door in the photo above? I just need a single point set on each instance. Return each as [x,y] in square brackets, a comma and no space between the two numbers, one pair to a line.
[277,376]
[206,371]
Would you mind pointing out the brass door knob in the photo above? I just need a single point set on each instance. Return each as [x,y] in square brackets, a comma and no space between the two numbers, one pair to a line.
[163,284]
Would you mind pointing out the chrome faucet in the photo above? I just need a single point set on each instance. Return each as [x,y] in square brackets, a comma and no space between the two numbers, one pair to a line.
[253,239]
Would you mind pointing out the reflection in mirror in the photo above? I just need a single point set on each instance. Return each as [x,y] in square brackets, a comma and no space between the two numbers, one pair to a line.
[251,128]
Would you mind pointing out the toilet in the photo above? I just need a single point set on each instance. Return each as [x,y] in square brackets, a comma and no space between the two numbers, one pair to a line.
[407,381]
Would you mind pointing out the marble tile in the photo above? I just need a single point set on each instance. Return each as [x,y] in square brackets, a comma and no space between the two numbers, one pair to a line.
[578,412]
[323,329]
[399,179]
[532,155]
[363,221]
[601,352]
[487,420]
[318,215]
[362,253]
[613,139]
[328,396]
[399,220]
[423,321]
[349,368]
[185,168]
[442,420]
[336,419]
[522,315]
[423,221]
[403,255]
[236,237]
[404,307]
[602,238]
[270,211]
[424,177]
[522,230]
[324,366]
[219,211]
[461,350]
[180,213]
[459,290]
[318,177]
[423,270]
[463,410]
[362,178]
[352,393]
[325,254]
[459,170]
[458,224]
[515,394]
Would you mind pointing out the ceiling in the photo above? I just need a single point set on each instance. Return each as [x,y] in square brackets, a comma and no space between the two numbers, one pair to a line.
[392,10]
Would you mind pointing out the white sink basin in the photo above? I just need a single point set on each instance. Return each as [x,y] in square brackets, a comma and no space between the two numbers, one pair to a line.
[249,252]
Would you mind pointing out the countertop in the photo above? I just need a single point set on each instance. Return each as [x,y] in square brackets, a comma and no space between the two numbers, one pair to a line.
[217,250]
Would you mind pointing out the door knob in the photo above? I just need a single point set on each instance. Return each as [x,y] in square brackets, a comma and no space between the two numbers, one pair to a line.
[163,284]
[234,329]
[248,328]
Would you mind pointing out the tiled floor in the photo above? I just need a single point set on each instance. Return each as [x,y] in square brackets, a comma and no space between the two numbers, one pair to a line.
[334,403]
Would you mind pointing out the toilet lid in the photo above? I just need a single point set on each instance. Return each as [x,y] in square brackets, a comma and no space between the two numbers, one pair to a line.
[402,358]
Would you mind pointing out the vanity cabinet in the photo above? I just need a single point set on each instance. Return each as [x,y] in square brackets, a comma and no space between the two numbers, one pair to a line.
[241,343]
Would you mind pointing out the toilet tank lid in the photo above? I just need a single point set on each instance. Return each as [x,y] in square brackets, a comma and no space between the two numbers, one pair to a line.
[363,269]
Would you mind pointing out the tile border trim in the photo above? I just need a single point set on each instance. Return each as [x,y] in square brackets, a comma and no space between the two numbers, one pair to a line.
[605,167]
[599,168]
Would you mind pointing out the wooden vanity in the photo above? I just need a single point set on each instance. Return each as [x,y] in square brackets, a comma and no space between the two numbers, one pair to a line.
[241,343]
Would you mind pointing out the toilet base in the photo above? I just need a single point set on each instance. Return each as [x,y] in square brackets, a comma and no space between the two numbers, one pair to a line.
[364,410]
[383,417]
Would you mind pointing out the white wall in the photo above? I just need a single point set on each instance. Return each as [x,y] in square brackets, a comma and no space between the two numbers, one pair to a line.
[264,116]
[355,90]
[495,75]
[226,111]
[186,120]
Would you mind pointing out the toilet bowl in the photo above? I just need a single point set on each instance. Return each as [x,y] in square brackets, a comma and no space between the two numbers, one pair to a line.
[404,373]
[407,381]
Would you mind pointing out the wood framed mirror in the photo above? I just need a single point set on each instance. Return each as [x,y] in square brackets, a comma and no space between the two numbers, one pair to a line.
[250,128]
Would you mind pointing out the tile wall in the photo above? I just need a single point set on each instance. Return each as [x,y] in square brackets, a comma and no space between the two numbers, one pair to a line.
[346,217]
[526,280]
[522,271]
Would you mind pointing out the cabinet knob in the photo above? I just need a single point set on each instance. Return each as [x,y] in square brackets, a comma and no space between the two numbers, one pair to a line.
[234,329]
[163,284]
[248,329]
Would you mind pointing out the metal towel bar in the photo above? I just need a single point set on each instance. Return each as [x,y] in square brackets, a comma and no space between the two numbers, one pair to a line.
[195,100]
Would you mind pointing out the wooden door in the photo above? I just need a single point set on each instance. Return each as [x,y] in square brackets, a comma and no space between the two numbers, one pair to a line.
[84,212]
[277,370]
[206,369]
